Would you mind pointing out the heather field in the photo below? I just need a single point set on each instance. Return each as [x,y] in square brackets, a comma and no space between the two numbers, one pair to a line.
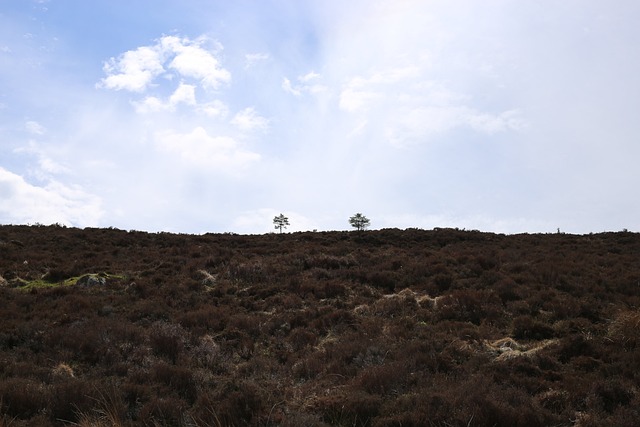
[443,327]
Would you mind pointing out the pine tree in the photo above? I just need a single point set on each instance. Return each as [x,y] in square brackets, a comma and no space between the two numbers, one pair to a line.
[359,221]
[281,222]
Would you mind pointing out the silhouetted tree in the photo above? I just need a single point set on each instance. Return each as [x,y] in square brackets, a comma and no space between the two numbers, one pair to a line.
[359,221]
[281,222]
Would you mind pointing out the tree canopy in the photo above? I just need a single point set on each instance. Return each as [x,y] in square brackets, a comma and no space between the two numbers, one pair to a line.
[281,222]
[359,221]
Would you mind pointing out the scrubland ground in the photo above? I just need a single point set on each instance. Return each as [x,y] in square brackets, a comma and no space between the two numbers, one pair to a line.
[103,327]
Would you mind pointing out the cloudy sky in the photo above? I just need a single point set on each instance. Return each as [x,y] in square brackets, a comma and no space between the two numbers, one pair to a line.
[214,116]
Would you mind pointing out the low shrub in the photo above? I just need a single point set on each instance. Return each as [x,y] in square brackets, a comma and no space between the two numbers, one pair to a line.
[23,398]
[167,340]
[528,328]
[354,408]
[164,411]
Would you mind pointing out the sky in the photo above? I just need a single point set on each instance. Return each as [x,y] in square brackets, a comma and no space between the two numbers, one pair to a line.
[194,116]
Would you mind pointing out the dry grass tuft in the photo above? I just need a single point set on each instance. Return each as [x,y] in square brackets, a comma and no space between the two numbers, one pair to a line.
[508,348]
[62,370]
[625,329]
[209,279]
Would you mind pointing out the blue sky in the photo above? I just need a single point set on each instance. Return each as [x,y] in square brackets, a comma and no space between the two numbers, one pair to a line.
[215,116]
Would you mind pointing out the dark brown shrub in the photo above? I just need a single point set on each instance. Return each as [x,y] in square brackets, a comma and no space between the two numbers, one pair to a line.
[23,398]
[247,273]
[164,411]
[179,379]
[526,327]
[206,353]
[328,262]
[70,398]
[82,337]
[240,405]
[302,338]
[355,408]
[309,367]
[382,379]
[384,280]
[205,410]
[56,275]
[574,346]
[247,323]
[507,290]
[167,339]
[470,305]
[609,394]
[338,319]
[237,341]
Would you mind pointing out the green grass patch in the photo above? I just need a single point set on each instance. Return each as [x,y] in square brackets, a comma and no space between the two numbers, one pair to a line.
[45,284]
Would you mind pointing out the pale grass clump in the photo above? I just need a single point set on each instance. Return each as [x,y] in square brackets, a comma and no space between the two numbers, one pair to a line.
[508,348]
[209,279]
[62,370]
[109,411]
[624,329]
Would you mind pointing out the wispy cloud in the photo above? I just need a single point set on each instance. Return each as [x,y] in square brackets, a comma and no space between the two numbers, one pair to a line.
[416,109]
[184,94]
[34,128]
[46,167]
[308,83]
[218,154]
[253,59]
[249,120]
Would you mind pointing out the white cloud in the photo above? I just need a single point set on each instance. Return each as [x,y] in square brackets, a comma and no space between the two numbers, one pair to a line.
[215,153]
[46,165]
[49,166]
[248,120]
[214,108]
[34,128]
[410,125]
[415,109]
[288,87]
[252,59]
[309,77]
[304,84]
[52,203]
[184,94]
[490,123]
[191,60]
[352,99]
[134,70]
[151,104]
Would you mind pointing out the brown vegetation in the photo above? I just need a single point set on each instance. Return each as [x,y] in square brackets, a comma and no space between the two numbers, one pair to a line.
[104,327]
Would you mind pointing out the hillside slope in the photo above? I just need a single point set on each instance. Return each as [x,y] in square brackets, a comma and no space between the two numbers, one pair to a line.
[106,327]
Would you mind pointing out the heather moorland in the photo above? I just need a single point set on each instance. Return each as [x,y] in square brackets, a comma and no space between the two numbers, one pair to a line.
[443,327]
